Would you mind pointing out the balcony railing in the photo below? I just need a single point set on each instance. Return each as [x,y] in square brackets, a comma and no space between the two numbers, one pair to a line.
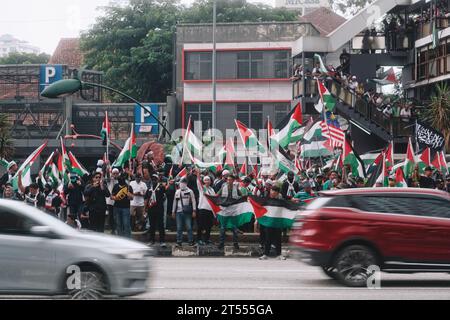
[396,126]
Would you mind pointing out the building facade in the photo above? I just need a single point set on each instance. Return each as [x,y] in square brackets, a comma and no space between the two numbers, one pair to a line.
[254,68]
[9,44]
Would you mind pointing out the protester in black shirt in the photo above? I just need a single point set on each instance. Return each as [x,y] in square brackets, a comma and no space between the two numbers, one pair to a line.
[96,194]
[122,194]
[31,194]
[290,187]
[425,181]
[74,195]
[154,204]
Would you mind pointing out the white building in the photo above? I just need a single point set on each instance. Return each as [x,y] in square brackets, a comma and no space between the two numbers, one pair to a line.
[9,44]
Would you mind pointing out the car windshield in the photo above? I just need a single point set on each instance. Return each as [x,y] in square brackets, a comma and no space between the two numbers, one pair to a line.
[41,218]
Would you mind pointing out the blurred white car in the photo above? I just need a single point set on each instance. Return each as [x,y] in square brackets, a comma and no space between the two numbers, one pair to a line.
[40,255]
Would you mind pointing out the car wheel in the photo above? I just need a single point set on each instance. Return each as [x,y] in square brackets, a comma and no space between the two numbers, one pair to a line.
[330,272]
[352,263]
[93,286]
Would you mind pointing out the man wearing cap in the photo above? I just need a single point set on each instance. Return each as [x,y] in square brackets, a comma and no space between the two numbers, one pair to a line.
[31,194]
[426,181]
[8,175]
[96,194]
[122,193]
[273,235]
[218,184]
[74,194]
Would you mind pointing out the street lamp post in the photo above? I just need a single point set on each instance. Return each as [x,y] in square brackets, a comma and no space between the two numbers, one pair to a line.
[71,86]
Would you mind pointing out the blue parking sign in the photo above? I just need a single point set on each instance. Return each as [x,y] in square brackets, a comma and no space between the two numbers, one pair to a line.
[49,74]
[144,122]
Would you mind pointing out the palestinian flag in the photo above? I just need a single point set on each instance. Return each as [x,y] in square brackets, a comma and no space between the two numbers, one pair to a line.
[45,168]
[76,166]
[182,174]
[25,168]
[390,156]
[212,167]
[231,214]
[4,163]
[443,163]
[229,157]
[400,178]
[408,168]
[191,142]
[106,130]
[322,65]
[284,136]
[283,164]
[315,149]
[351,158]
[243,171]
[388,78]
[327,99]
[128,152]
[384,176]
[425,157]
[62,169]
[274,213]
[272,141]
[65,156]
[314,132]
[249,139]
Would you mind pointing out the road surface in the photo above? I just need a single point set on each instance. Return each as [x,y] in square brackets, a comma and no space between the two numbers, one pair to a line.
[249,278]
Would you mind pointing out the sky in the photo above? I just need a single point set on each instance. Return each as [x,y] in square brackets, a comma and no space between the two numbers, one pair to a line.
[43,22]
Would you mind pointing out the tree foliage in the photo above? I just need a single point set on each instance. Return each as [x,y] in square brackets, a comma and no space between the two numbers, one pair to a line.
[6,143]
[349,8]
[438,112]
[25,58]
[134,44]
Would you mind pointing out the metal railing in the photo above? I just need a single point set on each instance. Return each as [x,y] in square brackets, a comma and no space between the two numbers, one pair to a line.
[396,126]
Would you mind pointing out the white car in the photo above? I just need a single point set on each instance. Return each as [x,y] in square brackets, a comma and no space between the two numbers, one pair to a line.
[40,255]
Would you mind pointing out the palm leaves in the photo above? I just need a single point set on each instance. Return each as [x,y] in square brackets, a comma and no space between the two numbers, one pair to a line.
[6,143]
[438,112]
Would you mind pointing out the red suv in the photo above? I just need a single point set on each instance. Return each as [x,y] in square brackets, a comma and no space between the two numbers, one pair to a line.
[400,230]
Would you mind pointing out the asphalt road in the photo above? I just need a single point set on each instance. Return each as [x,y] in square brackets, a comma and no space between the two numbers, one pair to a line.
[249,278]
[228,278]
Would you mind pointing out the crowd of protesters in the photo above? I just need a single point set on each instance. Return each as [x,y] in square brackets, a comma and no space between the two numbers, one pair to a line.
[152,198]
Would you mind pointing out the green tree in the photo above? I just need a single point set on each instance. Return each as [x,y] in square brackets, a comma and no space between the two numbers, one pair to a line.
[236,11]
[133,44]
[25,58]
[438,112]
[349,8]
[6,143]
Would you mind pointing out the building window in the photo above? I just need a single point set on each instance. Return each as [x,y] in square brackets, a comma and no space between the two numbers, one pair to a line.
[281,64]
[251,115]
[250,65]
[281,111]
[198,66]
[199,112]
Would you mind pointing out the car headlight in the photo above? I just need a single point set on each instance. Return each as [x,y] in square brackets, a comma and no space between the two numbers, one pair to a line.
[127,254]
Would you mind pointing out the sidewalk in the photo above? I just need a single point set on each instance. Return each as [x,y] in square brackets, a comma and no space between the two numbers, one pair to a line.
[245,250]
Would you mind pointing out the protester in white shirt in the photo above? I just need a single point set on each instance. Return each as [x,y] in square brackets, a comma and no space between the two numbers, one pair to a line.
[137,204]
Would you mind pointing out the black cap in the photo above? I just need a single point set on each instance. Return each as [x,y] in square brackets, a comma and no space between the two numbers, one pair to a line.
[428,169]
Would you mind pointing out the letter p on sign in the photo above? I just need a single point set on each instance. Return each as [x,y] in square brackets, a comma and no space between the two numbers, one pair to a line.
[50,72]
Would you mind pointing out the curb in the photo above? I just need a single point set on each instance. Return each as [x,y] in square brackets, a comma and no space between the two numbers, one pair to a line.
[211,251]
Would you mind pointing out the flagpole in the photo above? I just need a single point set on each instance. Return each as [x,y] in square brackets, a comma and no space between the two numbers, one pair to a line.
[107,137]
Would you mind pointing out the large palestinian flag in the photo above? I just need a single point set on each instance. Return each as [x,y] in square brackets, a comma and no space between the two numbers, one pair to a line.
[249,139]
[328,101]
[191,143]
[128,152]
[351,158]
[76,166]
[284,136]
[274,213]
[106,130]
[25,168]
[231,214]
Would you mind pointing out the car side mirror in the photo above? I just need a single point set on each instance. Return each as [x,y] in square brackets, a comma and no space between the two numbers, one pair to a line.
[42,231]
